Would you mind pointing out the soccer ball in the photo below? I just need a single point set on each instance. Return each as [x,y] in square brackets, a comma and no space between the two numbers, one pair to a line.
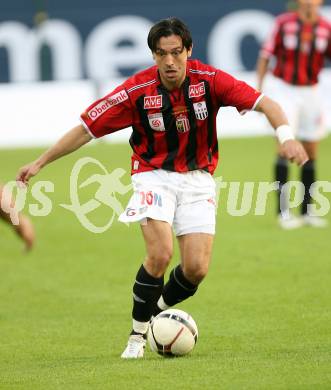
[173,332]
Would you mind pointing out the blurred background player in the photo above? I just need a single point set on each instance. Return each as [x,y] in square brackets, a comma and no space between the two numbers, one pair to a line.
[24,229]
[299,42]
[172,109]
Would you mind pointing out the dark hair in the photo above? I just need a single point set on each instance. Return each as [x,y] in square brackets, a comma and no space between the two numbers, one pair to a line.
[167,27]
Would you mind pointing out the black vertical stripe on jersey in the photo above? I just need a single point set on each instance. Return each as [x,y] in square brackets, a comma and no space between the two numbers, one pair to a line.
[171,133]
[296,65]
[283,56]
[135,138]
[310,62]
[192,144]
[150,152]
[210,124]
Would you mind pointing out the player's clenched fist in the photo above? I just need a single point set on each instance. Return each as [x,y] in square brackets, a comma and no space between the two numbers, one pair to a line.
[294,151]
[25,173]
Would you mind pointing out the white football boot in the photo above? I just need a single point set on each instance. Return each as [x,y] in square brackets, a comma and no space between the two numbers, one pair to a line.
[290,222]
[135,348]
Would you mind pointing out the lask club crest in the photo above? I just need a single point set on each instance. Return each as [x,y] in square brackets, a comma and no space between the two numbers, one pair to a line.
[182,123]
[200,110]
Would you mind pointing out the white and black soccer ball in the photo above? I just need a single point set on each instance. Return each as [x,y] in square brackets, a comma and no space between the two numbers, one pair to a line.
[173,332]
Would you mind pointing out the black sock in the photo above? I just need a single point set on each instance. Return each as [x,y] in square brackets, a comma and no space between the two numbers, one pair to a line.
[307,178]
[178,288]
[146,292]
[281,173]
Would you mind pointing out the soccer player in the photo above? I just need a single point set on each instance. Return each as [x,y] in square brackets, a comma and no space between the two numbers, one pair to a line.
[24,229]
[172,109]
[299,42]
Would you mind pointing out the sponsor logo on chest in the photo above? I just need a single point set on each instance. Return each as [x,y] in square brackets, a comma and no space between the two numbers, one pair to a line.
[290,41]
[152,102]
[156,121]
[196,90]
[200,110]
[106,104]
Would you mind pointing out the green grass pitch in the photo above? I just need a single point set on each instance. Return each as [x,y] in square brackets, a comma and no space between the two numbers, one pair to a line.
[263,311]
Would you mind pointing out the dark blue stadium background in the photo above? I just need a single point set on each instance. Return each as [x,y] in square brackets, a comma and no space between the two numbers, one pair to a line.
[85,14]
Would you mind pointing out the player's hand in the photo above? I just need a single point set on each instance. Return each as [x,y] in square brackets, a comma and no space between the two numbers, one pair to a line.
[295,152]
[25,173]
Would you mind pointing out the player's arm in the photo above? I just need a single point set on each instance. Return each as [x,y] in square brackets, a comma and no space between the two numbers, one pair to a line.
[71,141]
[268,50]
[292,149]
[261,70]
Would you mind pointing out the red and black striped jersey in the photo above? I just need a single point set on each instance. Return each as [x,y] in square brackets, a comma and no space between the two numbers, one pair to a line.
[299,48]
[172,130]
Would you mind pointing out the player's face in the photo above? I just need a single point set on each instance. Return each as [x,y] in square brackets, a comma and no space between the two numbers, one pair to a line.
[309,5]
[171,58]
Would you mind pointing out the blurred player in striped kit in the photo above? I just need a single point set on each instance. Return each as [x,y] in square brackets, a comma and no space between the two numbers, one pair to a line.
[299,42]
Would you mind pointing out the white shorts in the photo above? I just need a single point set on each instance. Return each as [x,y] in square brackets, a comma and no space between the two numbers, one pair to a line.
[185,200]
[303,107]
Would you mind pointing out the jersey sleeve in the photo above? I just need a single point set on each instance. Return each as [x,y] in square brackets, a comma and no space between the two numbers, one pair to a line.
[235,93]
[269,47]
[108,114]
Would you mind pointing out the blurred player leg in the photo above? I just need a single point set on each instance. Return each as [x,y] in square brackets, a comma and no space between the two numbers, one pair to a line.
[24,229]
[311,131]
[286,220]
[308,178]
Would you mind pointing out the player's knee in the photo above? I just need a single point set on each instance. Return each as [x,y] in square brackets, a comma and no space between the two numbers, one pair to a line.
[162,256]
[195,273]
[157,263]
